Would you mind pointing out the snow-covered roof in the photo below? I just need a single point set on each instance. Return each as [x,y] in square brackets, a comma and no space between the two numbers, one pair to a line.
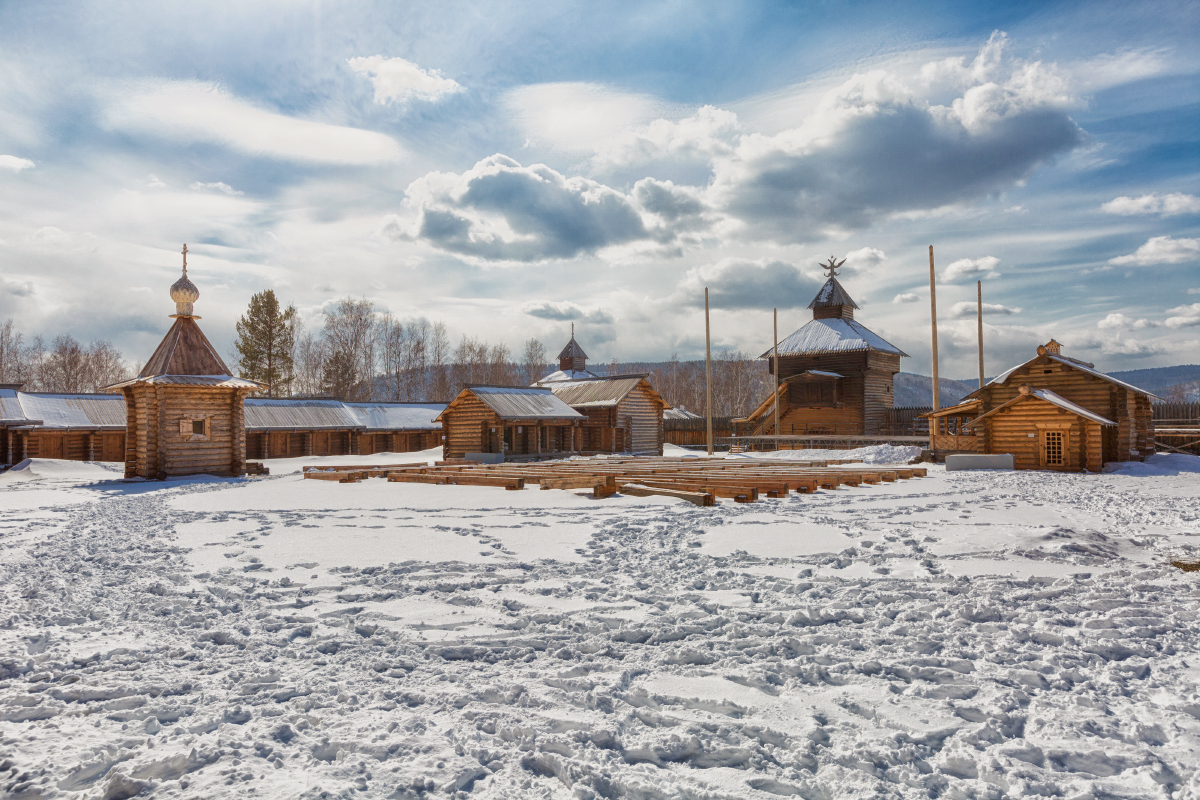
[511,402]
[1070,362]
[263,413]
[595,392]
[834,335]
[568,375]
[679,413]
[820,373]
[221,381]
[1049,397]
[832,294]
[10,406]
[74,410]
[397,416]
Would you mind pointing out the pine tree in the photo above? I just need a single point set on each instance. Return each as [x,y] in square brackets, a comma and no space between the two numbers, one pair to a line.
[265,343]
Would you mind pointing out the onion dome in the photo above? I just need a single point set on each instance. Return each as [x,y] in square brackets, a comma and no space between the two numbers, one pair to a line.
[184,292]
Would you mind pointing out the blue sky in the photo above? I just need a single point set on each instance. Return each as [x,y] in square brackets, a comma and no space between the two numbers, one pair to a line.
[511,167]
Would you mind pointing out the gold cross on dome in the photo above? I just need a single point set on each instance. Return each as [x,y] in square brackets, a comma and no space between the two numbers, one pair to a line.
[185,259]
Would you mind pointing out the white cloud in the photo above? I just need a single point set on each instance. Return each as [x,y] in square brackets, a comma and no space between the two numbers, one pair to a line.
[1117,320]
[397,79]
[877,146]
[700,137]
[906,297]
[153,181]
[1168,205]
[972,268]
[969,308]
[1184,316]
[15,163]
[740,283]
[219,186]
[1161,250]
[579,117]
[188,112]
[859,262]
[500,210]
[1114,69]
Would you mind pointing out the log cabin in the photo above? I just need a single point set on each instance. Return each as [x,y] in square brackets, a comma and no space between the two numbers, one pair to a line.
[79,427]
[291,427]
[624,414]
[91,427]
[835,375]
[1052,412]
[184,412]
[516,422]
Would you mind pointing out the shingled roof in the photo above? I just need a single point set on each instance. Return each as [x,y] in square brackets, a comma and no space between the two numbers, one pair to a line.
[832,294]
[185,350]
[572,350]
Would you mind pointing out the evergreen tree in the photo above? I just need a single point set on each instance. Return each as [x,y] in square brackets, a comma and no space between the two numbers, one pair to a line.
[265,343]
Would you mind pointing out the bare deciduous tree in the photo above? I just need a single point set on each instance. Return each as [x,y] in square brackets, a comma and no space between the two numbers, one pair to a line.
[533,362]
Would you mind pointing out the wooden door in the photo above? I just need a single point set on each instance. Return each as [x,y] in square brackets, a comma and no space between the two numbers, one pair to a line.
[321,443]
[113,447]
[52,446]
[1054,453]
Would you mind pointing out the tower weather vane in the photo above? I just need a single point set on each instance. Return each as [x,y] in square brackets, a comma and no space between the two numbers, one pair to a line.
[832,266]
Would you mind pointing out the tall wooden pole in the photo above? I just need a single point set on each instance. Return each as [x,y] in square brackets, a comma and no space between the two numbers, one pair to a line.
[933,319]
[979,325]
[708,370]
[776,370]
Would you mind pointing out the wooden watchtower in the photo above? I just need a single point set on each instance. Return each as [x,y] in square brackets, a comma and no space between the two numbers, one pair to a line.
[835,375]
[184,411]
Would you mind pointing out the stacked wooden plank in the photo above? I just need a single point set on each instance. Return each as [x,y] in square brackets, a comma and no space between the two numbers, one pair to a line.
[698,480]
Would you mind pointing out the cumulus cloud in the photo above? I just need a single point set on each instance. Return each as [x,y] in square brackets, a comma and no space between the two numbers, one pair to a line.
[401,80]
[859,262]
[188,111]
[14,163]
[18,288]
[219,186]
[500,210]
[972,269]
[1184,316]
[703,136]
[1161,250]
[1117,320]
[739,283]
[567,312]
[906,297]
[969,309]
[875,146]
[1167,205]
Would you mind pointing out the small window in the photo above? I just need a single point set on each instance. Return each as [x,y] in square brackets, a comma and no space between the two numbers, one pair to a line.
[198,427]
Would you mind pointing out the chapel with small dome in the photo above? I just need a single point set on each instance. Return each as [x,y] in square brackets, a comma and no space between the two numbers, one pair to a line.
[185,409]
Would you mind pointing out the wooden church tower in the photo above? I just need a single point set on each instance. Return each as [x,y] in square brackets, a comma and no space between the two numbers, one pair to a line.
[184,410]
[835,375]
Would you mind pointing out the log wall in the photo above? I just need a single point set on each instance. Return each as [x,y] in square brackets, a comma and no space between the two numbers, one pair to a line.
[640,414]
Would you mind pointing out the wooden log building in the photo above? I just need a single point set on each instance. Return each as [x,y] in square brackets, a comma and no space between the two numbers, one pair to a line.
[184,412]
[514,421]
[1052,412]
[291,427]
[79,427]
[835,375]
[623,413]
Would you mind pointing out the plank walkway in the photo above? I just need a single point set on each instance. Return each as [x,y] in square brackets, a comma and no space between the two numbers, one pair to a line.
[697,480]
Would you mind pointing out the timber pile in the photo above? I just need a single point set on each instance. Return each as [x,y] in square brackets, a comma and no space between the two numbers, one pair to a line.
[696,480]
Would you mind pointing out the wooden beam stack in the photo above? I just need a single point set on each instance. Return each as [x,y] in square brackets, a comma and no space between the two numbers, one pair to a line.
[698,480]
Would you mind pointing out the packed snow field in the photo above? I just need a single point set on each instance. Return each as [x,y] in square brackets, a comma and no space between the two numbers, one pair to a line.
[981,634]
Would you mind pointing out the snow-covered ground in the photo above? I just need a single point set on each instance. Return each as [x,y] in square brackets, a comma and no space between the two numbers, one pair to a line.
[969,634]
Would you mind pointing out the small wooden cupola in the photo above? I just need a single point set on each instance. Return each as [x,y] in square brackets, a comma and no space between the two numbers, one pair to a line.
[572,358]
[833,301]
[184,410]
